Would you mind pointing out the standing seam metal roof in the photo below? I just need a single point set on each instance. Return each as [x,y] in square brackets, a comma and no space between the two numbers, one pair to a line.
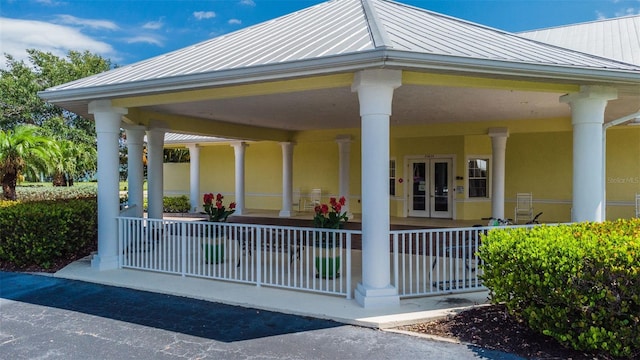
[617,38]
[340,27]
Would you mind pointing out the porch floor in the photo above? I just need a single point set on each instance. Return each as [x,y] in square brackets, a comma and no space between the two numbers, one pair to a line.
[301,217]
[339,309]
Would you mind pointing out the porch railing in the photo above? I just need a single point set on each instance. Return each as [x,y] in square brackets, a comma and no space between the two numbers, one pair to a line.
[298,258]
[436,261]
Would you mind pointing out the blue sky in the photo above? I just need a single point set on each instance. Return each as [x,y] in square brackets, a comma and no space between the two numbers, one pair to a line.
[127,31]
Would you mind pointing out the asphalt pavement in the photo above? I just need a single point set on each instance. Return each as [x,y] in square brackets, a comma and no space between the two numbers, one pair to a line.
[42,317]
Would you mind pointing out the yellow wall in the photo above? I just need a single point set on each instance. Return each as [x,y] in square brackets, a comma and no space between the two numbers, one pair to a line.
[538,160]
[176,178]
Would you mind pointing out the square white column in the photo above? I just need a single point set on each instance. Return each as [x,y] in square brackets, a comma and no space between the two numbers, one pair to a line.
[155,173]
[499,149]
[587,118]
[108,121]
[287,179]
[375,93]
[239,152]
[135,168]
[194,177]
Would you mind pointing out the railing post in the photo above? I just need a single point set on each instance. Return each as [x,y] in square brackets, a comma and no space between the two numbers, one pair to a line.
[348,265]
[395,261]
[183,249]
[120,241]
[259,254]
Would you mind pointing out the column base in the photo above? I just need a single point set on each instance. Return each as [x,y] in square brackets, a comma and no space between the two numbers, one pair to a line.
[101,263]
[287,213]
[377,298]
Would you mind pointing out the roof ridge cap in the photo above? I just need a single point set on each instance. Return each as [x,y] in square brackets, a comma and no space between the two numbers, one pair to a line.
[376,27]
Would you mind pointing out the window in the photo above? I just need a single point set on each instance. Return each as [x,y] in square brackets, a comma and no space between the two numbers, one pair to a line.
[392,177]
[478,178]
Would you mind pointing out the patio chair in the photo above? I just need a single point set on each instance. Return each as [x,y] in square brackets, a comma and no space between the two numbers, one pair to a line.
[295,201]
[313,200]
[524,207]
[638,205]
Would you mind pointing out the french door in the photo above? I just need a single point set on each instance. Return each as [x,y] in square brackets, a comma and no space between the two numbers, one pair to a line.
[430,187]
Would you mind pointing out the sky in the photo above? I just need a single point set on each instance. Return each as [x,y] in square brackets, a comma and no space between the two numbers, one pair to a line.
[128,31]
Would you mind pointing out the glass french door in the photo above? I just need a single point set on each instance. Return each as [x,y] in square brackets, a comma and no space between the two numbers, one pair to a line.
[430,188]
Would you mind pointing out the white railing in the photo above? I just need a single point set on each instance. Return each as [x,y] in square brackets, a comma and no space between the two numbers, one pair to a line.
[298,258]
[436,261]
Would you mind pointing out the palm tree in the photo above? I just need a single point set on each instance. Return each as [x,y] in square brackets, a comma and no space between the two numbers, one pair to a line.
[74,159]
[23,151]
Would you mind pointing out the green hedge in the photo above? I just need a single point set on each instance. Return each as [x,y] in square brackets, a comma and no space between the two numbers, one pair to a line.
[578,283]
[40,233]
[176,204]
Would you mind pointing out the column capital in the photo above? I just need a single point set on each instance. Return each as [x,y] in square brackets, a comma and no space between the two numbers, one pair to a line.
[591,92]
[498,132]
[377,77]
[286,143]
[344,139]
[193,146]
[375,90]
[134,135]
[239,144]
[104,106]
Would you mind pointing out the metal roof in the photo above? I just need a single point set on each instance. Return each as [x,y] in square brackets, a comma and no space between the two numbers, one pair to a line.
[330,34]
[175,138]
[617,38]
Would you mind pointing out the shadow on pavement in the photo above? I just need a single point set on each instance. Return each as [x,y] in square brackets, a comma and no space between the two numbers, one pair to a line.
[173,313]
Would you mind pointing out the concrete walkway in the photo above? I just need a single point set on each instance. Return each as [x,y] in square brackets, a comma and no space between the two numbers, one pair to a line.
[44,317]
[284,301]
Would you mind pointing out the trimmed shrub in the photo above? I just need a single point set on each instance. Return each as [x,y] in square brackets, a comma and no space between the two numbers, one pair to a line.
[176,204]
[40,193]
[579,283]
[41,233]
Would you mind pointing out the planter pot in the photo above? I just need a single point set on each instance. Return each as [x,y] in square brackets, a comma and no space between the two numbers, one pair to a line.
[327,263]
[214,251]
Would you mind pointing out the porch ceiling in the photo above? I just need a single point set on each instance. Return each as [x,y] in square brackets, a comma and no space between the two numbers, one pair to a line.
[413,104]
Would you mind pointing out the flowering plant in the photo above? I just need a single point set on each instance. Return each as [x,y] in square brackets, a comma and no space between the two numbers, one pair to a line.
[330,219]
[217,211]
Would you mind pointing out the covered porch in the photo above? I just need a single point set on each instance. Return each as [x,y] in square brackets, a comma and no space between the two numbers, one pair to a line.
[346,79]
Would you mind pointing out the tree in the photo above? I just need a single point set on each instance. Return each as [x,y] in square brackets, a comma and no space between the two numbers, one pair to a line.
[20,104]
[78,152]
[20,84]
[23,150]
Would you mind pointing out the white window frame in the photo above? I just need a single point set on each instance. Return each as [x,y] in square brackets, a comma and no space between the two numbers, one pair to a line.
[468,179]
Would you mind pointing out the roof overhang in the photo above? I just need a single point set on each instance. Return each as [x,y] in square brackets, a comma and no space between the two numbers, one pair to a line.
[626,80]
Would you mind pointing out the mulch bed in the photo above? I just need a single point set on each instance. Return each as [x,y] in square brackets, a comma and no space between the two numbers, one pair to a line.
[491,327]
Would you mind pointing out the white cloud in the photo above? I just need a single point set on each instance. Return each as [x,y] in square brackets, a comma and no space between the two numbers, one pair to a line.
[154,25]
[20,35]
[248,2]
[94,24]
[50,2]
[235,22]
[148,39]
[201,15]
[628,11]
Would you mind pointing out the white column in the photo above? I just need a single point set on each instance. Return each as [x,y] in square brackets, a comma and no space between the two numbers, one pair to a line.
[499,147]
[287,179]
[344,157]
[155,181]
[135,169]
[107,120]
[194,177]
[587,118]
[375,93]
[239,151]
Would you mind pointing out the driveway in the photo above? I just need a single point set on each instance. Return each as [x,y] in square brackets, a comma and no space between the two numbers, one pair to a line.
[42,317]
